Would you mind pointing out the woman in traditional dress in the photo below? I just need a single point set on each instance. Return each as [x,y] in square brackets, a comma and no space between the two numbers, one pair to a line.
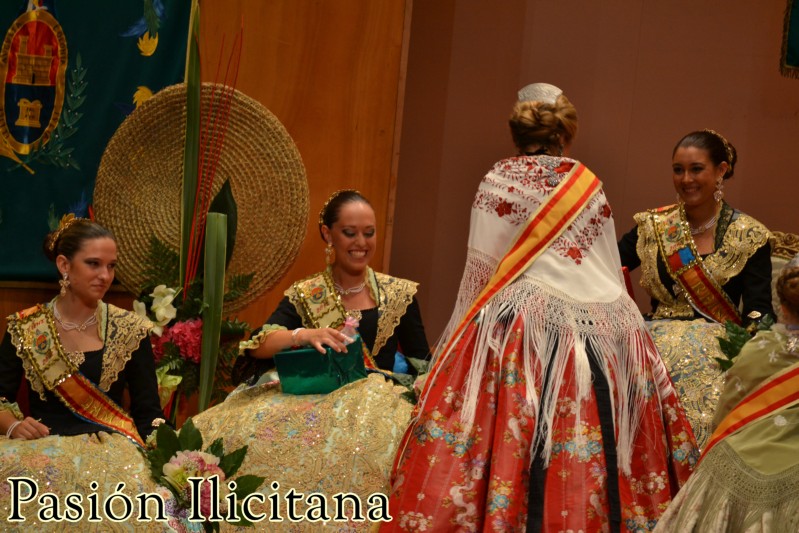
[344,441]
[77,355]
[703,263]
[547,407]
[748,478]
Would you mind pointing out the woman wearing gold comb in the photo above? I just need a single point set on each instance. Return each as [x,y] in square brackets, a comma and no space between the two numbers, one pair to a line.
[343,441]
[77,355]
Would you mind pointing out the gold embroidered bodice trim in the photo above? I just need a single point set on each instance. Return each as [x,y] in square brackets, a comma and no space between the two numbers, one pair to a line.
[392,296]
[396,294]
[742,237]
[125,333]
[256,340]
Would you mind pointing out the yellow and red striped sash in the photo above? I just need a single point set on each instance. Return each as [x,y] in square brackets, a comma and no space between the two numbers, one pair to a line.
[773,395]
[685,266]
[545,225]
[39,344]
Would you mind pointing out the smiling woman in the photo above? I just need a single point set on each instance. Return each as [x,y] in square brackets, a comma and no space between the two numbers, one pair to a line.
[344,441]
[703,263]
[314,309]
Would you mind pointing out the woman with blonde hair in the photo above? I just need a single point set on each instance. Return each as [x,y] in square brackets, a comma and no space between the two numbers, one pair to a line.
[547,407]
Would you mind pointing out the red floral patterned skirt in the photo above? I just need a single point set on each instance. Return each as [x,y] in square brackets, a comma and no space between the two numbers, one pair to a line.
[448,480]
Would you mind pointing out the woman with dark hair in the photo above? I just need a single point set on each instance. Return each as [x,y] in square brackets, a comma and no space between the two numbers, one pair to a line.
[703,263]
[313,309]
[748,478]
[547,407]
[78,355]
[343,441]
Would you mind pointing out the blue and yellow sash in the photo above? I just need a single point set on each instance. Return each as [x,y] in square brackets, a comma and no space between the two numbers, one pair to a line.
[686,268]
[40,346]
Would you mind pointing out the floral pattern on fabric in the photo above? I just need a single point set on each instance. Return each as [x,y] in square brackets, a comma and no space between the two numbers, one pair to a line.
[326,444]
[449,479]
[512,179]
[64,465]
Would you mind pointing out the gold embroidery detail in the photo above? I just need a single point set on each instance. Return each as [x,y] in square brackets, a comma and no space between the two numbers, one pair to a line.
[742,238]
[5,405]
[256,340]
[52,366]
[77,358]
[125,333]
[648,250]
[397,295]
[392,296]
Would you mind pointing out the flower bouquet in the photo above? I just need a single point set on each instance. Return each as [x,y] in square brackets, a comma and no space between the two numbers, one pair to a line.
[201,481]
[177,335]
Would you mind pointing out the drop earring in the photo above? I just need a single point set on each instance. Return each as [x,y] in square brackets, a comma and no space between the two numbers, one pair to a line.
[329,254]
[719,193]
[64,282]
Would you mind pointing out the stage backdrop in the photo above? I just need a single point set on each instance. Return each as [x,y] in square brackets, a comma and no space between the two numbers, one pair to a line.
[71,72]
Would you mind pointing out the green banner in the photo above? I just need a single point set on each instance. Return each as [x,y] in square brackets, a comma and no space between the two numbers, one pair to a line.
[72,71]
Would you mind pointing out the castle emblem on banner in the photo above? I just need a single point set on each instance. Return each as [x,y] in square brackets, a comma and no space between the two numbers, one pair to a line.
[33,62]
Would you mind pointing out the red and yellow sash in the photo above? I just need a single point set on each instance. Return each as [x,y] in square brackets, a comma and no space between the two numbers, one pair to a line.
[773,395]
[41,347]
[545,225]
[686,268]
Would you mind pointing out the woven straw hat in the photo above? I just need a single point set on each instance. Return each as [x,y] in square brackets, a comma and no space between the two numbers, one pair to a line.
[138,189]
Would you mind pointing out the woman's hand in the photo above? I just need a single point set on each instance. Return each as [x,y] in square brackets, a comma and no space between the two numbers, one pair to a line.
[319,338]
[29,429]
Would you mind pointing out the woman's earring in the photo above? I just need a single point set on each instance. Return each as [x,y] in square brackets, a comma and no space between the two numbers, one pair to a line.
[329,254]
[64,284]
[719,194]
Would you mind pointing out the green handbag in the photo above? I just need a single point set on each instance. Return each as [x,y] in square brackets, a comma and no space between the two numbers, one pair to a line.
[306,371]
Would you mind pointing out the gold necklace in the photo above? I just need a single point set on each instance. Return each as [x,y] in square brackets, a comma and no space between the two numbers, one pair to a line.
[69,326]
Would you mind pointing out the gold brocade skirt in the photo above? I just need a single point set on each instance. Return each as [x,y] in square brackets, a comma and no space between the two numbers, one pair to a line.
[340,443]
[688,348]
[91,466]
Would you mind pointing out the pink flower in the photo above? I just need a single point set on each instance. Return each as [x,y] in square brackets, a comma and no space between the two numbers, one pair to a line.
[158,343]
[187,336]
[184,465]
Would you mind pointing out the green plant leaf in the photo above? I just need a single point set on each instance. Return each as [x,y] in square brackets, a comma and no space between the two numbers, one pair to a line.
[246,485]
[217,448]
[231,462]
[167,440]
[238,285]
[225,203]
[190,437]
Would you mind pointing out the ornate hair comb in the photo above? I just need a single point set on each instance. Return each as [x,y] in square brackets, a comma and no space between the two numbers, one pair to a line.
[66,221]
[332,197]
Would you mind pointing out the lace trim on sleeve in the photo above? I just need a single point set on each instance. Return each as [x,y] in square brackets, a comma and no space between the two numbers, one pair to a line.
[256,340]
[5,405]
[125,333]
[398,296]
